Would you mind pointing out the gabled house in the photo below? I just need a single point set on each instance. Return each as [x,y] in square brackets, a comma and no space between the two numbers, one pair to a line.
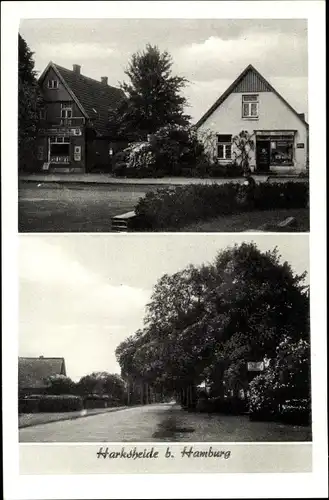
[279,133]
[72,132]
[33,373]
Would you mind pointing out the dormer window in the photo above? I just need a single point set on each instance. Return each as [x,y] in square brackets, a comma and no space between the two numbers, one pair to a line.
[250,106]
[52,84]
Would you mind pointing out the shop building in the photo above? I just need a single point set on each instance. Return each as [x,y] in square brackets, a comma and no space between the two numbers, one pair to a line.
[279,133]
[72,131]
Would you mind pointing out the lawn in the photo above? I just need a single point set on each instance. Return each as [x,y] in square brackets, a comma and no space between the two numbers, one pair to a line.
[60,208]
[252,220]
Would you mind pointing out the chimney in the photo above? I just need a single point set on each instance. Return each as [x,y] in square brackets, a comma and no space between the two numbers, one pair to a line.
[104,80]
[301,115]
[76,68]
[41,357]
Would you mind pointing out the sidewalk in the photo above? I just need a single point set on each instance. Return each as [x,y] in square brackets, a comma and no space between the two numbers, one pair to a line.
[100,179]
[32,419]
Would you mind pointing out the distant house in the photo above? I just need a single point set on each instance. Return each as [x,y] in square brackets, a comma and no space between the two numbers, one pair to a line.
[33,373]
[72,132]
[280,134]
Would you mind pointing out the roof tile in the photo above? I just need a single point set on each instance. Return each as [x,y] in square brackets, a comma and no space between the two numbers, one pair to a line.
[32,372]
[93,95]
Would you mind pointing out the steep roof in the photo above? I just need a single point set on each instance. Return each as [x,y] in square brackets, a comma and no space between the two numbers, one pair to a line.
[237,86]
[95,98]
[32,372]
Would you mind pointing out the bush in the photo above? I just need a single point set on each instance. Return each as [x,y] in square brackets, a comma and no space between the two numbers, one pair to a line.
[296,411]
[263,403]
[229,406]
[227,171]
[62,403]
[173,207]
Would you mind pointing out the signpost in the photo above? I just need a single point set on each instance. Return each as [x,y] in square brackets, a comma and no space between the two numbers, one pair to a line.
[255,366]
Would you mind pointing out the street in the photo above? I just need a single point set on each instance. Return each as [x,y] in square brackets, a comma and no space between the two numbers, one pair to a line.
[162,422]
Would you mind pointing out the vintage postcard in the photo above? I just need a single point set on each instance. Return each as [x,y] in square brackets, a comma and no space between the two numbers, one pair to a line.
[164,254]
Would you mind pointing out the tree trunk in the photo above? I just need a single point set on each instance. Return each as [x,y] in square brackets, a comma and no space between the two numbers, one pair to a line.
[128,393]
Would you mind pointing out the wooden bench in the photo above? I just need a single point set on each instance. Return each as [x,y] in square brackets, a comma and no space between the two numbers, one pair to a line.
[123,222]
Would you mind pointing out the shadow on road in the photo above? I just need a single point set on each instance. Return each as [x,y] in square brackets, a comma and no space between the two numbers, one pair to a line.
[169,428]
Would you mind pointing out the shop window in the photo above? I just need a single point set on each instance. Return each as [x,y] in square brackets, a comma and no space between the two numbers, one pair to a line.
[59,149]
[52,84]
[250,106]
[224,147]
[282,152]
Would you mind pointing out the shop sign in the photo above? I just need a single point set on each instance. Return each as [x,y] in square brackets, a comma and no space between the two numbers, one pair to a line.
[66,131]
[77,153]
[255,366]
[300,145]
[46,166]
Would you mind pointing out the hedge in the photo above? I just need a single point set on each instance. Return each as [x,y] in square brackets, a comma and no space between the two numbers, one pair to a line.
[28,405]
[173,207]
[62,403]
[99,401]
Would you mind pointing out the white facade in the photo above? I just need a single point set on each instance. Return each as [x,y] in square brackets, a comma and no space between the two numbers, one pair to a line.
[276,126]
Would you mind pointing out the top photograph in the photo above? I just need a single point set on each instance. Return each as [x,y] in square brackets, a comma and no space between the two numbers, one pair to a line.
[163,125]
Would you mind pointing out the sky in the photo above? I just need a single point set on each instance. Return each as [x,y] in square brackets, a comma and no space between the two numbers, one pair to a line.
[209,53]
[81,295]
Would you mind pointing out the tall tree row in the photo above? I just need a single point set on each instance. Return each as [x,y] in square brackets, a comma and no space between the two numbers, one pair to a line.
[208,322]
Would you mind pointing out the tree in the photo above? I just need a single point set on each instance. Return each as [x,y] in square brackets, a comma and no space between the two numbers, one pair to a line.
[29,102]
[102,383]
[153,96]
[243,145]
[60,384]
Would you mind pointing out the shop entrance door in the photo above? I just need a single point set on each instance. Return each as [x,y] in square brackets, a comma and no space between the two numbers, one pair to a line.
[263,155]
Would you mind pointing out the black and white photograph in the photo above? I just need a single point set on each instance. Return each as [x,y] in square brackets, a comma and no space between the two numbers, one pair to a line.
[202,339]
[164,251]
[163,125]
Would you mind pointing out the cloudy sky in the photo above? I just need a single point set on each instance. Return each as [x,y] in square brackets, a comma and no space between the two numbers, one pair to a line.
[209,53]
[81,295]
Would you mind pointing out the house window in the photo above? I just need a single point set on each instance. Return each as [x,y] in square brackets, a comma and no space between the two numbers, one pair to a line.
[250,106]
[66,111]
[60,139]
[52,84]
[282,151]
[42,114]
[224,147]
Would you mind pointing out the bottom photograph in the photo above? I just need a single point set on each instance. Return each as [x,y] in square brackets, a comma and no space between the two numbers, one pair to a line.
[164,338]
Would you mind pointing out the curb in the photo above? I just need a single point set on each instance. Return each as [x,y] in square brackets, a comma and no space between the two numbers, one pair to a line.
[73,417]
